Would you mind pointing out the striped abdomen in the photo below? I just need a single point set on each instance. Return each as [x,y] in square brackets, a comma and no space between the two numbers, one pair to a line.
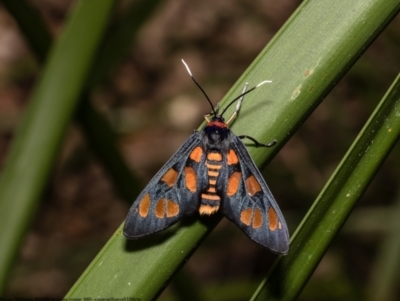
[210,200]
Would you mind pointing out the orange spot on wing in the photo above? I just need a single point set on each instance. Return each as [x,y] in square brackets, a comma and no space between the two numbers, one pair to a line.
[207,209]
[252,185]
[246,215]
[170,177]
[233,183]
[172,208]
[144,205]
[257,219]
[191,179]
[232,157]
[273,221]
[196,154]
[252,217]
[160,208]
[213,156]
[210,197]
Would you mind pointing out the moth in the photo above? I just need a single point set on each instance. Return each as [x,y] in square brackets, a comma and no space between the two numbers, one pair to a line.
[212,171]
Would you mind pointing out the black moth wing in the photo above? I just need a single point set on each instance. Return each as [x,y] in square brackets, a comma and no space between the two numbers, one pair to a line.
[248,202]
[172,193]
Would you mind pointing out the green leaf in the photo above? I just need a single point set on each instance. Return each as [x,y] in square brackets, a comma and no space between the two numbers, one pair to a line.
[48,115]
[385,269]
[98,133]
[336,201]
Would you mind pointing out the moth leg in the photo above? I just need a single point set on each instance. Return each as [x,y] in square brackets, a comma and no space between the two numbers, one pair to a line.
[238,105]
[207,117]
[258,143]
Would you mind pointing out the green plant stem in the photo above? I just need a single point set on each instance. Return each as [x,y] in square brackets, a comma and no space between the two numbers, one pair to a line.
[48,115]
[336,201]
[384,275]
[98,133]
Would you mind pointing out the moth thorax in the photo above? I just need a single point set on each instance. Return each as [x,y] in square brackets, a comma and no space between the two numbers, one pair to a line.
[215,138]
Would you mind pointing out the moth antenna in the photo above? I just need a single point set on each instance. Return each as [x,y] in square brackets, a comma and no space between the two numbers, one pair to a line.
[264,82]
[198,85]
[244,93]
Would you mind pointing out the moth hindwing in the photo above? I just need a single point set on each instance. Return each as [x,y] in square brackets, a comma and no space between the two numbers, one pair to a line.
[211,171]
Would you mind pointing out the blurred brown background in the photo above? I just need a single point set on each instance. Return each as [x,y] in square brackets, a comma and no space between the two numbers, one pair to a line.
[153,105]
